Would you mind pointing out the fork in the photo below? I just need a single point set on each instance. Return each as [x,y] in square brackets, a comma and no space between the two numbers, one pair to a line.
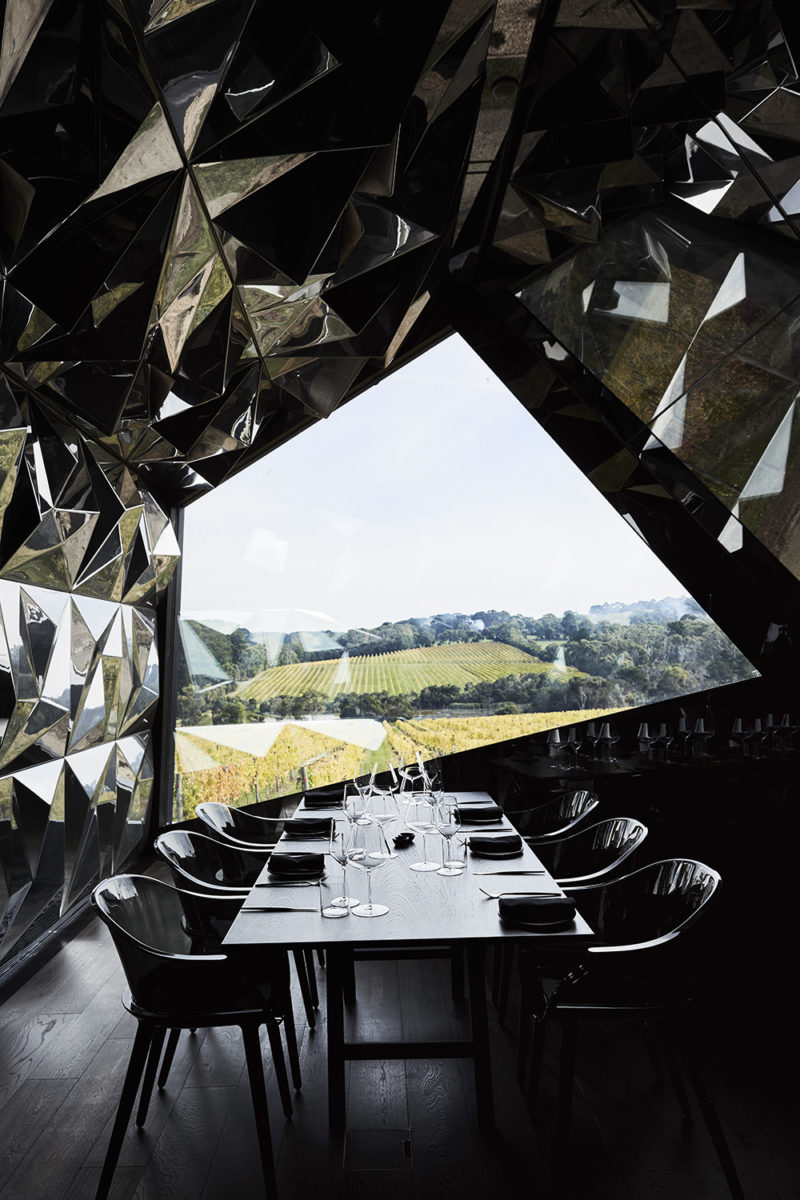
[497,895]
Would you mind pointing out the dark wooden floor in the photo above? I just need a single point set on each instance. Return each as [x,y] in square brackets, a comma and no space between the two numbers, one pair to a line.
[65,1040]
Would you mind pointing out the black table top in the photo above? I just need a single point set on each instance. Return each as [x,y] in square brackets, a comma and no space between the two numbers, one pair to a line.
[424,907]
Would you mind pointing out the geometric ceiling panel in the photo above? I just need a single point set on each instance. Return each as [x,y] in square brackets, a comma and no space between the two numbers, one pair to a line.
[224,221]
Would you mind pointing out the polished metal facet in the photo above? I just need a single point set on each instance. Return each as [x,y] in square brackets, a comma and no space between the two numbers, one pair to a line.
[221,221]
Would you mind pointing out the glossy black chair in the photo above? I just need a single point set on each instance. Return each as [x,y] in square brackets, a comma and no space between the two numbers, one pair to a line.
[171,986]
[238,827]
[592,853]
[207,917]
[202,863]
[555,817]
[638,970]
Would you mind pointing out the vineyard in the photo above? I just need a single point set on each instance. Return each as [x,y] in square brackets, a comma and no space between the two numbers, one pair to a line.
[398,673]
[240,778]
[449,735]
[300,757]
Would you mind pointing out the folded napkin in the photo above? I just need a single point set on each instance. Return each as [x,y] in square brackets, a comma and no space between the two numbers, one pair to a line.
[476,814]
[324,798]
[296,864]
[536,910]
[308,827]
[495,847]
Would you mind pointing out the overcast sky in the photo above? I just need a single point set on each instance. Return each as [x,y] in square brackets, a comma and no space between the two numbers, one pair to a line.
[433,492]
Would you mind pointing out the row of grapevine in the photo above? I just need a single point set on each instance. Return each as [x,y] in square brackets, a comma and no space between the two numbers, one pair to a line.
[399,672]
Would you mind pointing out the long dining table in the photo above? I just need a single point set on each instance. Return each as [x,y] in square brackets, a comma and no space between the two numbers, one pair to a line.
[425,910]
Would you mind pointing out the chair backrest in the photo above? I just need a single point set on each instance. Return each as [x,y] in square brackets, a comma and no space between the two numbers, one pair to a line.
[648,907]
[170,966]
[593,851]
[206,864]
[237,827]
[556,816]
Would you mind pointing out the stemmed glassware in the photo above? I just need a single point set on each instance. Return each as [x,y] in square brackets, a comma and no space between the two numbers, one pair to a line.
[572,744]
[337,849]
[420,818]
[366,851]
[355,803]
[382,809]
[448,823]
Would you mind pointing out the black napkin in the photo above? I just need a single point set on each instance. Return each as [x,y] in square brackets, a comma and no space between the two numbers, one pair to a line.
[297,864]
[536,910]
[308,827]
[476,814]
[324,798]
[495,847]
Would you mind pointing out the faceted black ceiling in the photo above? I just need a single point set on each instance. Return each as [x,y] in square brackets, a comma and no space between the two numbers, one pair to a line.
[223,218]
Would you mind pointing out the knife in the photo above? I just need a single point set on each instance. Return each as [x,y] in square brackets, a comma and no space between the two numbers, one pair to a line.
[270,883]
[477,873]
[253,908]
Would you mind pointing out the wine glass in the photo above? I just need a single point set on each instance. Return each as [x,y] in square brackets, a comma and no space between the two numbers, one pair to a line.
[337,849]
[354,803]
[382,809]
[420,818]
[554,749]
[366,851]
[572,744]
[448,823]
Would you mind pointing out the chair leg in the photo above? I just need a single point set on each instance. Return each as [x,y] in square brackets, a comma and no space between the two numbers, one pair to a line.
[569,1042]
[258,1091]
[279,1063]
[670,1059]
[136,1066]
[305,992]
[169,1054]
[312,977]
[538,1034]
[156,1044]
[709,1110]
[652,1046]
[321,957]
[291,1044]
[523,1039]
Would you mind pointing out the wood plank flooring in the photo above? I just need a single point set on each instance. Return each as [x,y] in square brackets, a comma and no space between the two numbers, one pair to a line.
[412,1132]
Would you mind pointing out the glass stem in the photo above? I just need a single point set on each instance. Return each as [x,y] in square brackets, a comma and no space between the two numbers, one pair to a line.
[369,889]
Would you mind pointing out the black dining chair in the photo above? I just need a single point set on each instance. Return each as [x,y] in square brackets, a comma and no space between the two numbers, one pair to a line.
[238,827]
[555,817]
[201,863]
[591,854]
[172,986]
[637,970]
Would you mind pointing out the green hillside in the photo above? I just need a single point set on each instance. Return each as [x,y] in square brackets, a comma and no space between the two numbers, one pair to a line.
[398,673]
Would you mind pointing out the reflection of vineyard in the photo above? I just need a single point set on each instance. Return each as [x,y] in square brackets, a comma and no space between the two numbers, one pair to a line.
[399,672]
[241,778]
[448,735]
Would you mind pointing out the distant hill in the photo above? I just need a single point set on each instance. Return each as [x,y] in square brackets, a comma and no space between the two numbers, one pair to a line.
[626,613]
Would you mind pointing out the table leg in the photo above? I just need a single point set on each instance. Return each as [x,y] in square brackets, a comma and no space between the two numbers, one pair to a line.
[336,1063]
[484,1095]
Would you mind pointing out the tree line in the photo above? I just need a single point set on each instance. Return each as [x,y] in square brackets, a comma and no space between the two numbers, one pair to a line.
[620,666]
